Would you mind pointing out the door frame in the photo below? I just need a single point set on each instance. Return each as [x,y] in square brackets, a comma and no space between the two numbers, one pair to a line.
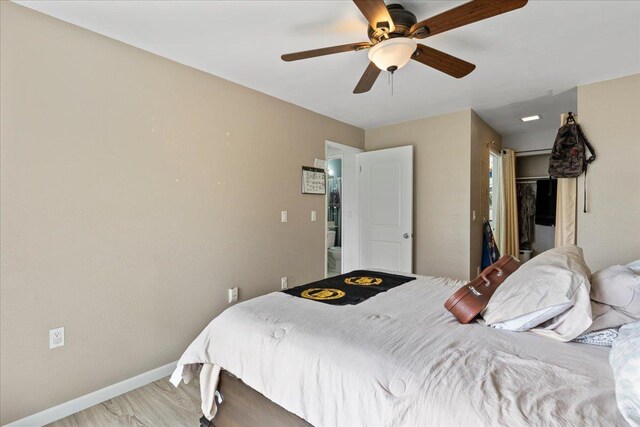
[349,216]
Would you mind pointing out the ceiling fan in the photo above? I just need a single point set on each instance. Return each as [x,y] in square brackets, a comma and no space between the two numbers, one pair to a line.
[393,30]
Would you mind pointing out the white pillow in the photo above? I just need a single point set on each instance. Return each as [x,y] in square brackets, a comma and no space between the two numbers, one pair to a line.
[625,363]
[617,286]
[548,295]
[531,320]
[605,316]
[635,266]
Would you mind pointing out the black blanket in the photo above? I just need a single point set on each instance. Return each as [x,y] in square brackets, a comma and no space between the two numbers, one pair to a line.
[351,288]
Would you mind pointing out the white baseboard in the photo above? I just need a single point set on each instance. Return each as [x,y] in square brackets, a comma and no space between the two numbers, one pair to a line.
[83,402]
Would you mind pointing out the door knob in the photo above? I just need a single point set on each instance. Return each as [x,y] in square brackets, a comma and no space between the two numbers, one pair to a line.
[405,235]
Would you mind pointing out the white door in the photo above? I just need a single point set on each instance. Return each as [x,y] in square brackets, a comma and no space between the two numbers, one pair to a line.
[385,184]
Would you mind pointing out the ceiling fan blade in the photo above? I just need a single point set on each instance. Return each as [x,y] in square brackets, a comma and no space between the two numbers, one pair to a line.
[376,13]
[468,13]
[352,47]
[368,79]
[441,61]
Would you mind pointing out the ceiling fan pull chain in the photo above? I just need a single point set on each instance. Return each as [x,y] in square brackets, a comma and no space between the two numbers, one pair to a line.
[392,83]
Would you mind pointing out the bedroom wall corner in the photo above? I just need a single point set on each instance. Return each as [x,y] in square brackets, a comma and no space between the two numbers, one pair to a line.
[135,191]
[441,188]
[609,114]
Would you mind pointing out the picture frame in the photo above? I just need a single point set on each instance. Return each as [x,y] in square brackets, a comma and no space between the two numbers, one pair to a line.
[314,180]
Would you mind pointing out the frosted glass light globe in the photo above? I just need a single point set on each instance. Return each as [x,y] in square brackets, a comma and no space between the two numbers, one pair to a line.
[392,54]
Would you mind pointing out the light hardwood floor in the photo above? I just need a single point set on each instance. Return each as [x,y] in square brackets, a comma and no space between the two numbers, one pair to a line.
[156,404]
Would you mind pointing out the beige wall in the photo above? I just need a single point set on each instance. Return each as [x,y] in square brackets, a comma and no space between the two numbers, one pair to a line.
[609,113]
[528,166]
[451,180]
[482,136]
[442,186]
[135,191]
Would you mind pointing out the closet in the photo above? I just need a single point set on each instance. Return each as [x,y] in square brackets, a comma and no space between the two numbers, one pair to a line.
[537,195]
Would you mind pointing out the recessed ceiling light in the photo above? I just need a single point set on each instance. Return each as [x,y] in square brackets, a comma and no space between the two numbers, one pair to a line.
[530,118]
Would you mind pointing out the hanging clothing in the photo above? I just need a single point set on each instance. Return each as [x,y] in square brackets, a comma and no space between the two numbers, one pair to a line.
[490,252]
[546,199]
[526,212]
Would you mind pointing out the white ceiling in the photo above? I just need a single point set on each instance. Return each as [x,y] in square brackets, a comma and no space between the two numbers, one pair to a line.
[549,107]
[531,54]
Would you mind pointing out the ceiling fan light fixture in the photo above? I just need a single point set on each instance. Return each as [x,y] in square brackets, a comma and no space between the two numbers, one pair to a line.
[392,54]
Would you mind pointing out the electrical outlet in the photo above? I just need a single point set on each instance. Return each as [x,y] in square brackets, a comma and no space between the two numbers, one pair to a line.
[284,283]
[314,215]
[233,295]
[56,337]
[283,216]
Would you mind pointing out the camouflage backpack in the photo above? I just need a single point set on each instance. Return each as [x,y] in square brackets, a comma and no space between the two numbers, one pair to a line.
[569,154]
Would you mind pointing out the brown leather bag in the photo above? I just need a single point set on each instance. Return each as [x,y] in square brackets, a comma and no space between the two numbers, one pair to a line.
[468,301]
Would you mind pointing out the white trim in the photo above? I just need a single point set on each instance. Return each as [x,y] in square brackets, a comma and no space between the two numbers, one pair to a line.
[349,212]
[88,400]
[342,147]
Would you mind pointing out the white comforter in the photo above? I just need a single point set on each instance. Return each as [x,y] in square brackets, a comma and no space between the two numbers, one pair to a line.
[401,359]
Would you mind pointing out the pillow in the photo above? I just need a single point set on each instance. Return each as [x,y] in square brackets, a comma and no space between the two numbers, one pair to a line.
[619,287]
[635,266]
[531,320]
[625,363]
[605,316]
[548,295]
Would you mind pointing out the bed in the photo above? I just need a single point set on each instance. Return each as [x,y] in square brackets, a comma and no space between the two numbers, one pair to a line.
[398,358]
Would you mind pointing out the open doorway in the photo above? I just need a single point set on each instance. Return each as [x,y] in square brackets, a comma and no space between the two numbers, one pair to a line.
[334,215]
[523,197]
[536,201]
[341,209]
[495,196]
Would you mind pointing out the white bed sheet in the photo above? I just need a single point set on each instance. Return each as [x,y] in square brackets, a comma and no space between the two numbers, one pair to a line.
[401,359]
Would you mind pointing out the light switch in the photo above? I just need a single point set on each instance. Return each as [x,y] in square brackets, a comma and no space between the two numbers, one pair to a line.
[233,294]
[283,216]
[313,215]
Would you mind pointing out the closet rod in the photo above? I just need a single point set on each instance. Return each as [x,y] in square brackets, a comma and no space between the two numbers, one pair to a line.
[533,152]
[533,178]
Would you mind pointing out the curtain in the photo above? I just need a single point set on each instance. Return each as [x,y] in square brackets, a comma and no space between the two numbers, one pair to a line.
[566,207]
[508,213]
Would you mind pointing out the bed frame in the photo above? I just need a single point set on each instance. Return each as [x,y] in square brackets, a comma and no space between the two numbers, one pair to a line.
[242,406]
